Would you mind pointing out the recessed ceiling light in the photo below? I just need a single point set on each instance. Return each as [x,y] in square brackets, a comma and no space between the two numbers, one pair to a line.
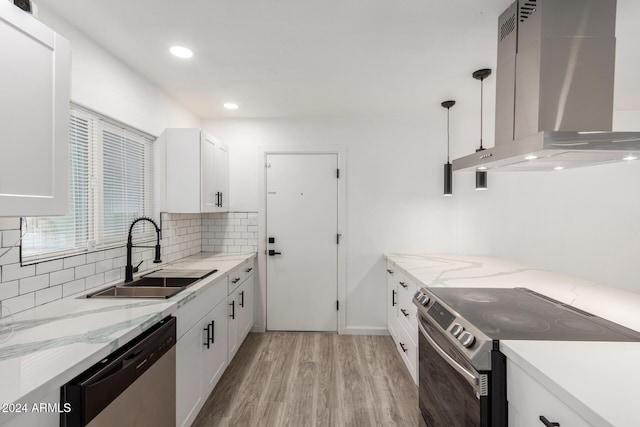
[230,106]
[530,157]
[181,52]
[558,168]
[630,157]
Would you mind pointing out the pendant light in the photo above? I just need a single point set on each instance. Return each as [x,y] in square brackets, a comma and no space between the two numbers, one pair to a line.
[481,174]
[448,170]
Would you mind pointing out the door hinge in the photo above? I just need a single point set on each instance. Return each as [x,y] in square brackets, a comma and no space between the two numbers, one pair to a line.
[338,236]
[337,173]
[337,305]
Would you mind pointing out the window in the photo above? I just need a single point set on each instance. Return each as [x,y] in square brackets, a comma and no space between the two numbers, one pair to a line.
[110,186]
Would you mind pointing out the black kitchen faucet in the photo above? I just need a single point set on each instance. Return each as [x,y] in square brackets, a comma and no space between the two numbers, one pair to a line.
[130,269]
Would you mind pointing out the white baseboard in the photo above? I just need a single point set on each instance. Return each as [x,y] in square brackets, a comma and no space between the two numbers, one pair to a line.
[359,330]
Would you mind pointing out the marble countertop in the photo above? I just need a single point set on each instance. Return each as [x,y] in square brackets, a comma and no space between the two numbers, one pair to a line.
[53,343]
[598,380]
[584,376]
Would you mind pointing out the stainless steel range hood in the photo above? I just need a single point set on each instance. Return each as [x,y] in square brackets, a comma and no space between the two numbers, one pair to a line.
[554,89]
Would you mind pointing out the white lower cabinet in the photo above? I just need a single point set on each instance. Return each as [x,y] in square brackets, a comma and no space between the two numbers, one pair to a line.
[210,329]
[529,400]
[240,313]
[401,317]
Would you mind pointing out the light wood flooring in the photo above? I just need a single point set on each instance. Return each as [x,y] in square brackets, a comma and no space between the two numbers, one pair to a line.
[313,379]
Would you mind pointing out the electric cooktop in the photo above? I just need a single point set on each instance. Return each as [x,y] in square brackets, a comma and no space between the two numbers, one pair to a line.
[522,314]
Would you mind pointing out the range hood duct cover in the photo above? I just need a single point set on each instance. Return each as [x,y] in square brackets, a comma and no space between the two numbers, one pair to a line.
[554,88]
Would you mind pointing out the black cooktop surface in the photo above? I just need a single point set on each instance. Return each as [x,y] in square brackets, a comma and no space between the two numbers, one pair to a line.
[521,314]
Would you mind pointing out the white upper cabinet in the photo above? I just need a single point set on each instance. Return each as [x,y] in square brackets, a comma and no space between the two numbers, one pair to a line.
[34,116]
[191,169]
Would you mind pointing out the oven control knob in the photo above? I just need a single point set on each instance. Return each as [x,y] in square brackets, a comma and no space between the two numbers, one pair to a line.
[456,330]
[424,300]
[466,339]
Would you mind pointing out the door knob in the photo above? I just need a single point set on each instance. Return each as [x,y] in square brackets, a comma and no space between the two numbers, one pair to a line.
[274,253]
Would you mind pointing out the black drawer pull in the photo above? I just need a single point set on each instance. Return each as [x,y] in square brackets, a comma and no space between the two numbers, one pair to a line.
[234,281]
[548,423]
[393,298]
[248,270]
[208,329]
[389,271]
[403,347]
[404,285]
[405,312]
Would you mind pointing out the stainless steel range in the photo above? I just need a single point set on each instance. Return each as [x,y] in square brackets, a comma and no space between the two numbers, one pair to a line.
[462,372]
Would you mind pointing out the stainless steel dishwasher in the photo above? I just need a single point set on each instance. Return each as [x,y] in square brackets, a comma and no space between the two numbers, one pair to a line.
[134,386]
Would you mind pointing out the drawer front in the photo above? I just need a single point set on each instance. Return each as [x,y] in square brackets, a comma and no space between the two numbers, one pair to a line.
[194,310]
[234,280]
[408,350]
[528,400]
[246,269]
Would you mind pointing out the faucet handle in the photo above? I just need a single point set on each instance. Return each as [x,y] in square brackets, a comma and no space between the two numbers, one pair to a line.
[135,269]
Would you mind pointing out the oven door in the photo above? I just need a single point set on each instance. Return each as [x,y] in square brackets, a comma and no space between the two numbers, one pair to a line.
[452,393]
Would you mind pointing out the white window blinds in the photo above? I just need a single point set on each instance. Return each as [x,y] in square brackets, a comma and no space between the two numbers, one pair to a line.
[110,185]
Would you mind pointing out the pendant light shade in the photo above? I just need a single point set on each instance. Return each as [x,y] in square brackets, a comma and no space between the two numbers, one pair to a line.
[448,167]
[481,180]
[481,175]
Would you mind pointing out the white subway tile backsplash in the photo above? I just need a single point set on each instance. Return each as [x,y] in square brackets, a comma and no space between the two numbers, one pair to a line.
[182,235]
[35,283]
[20,303]
[75,261]
[8,290]
[49,294]
[15,271]
[11,257]
[93,281]
[73,287]
[62,276]
[49,266]
[85,270]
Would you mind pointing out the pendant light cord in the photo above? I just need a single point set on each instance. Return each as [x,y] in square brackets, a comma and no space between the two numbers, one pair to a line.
[481,104]
[447,135]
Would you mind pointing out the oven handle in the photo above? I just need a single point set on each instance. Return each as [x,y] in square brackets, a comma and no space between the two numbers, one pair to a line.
[469,376]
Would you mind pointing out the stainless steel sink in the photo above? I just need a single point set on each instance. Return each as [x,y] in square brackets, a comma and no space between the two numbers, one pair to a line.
[135,292]
[157,284]
[162,282]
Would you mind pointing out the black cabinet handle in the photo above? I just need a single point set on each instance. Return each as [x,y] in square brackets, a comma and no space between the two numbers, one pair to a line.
[393,298]
[236,280]
[548,423]
[402,347]
[389,271]
[242,299]
[404,285]
[220,200]
[213,332]
[248,270]
[208,336]
[273,253]
[233,309]
[405,312]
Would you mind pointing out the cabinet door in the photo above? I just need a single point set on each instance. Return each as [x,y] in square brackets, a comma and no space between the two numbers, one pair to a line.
[392,300]
[222,176]
[189,393]
[214,360]
[209,193]
[245,308]
[233,324]
[34,119]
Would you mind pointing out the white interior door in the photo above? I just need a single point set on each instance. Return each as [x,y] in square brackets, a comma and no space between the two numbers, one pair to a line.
[302,220]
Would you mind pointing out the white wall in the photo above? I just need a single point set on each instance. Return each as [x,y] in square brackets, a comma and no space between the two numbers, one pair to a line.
[583,222]
[393,184]
[105,84]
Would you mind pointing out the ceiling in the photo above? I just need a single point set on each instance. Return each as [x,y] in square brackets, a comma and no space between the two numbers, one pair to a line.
[292,58]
